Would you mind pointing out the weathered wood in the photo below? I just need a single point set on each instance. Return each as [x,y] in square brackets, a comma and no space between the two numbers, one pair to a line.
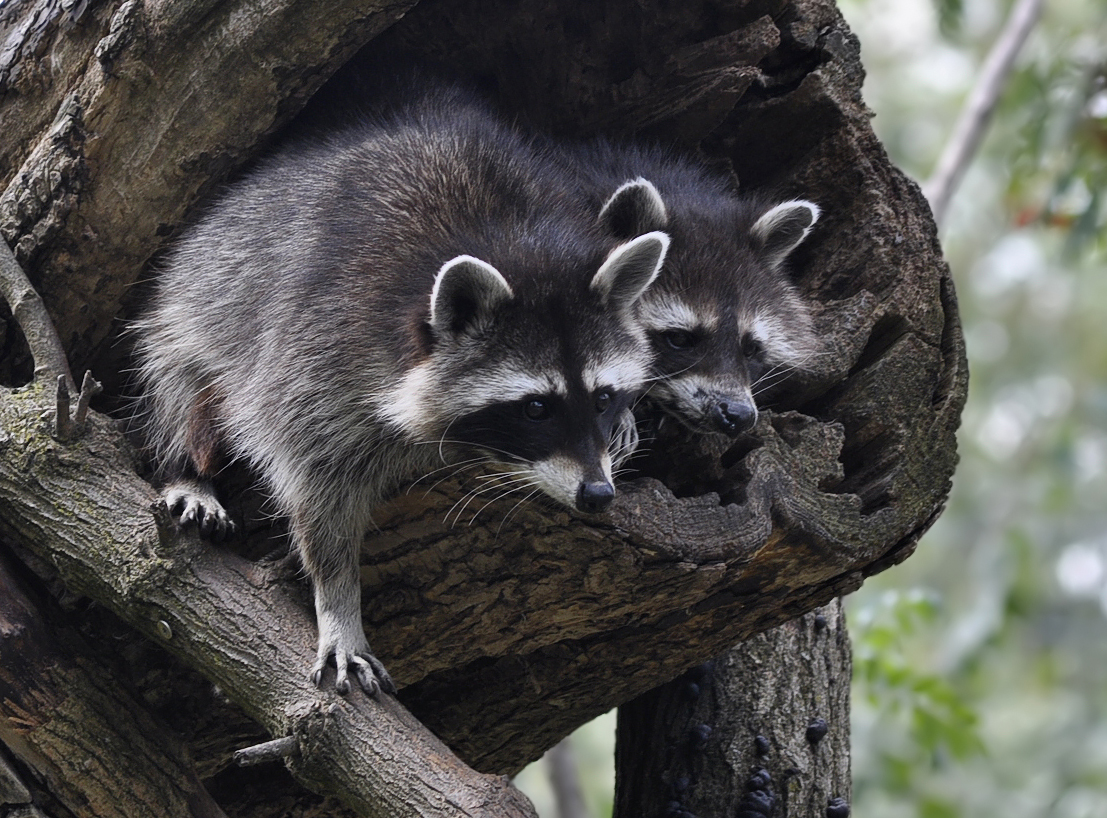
[115,123]
[42,337]
[98,749]
[763,728]
[81,508]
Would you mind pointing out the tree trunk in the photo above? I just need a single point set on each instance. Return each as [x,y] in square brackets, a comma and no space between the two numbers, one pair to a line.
[763,730]
[508,630]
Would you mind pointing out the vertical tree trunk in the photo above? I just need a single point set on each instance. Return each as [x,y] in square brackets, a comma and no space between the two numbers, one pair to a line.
[760,732]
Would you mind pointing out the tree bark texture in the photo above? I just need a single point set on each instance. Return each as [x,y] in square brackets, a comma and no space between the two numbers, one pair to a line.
[90,750]
[81,507]
[505,627]
[760,732]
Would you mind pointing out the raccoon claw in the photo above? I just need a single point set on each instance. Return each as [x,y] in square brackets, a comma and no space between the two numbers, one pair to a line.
[366,668]
[191,503]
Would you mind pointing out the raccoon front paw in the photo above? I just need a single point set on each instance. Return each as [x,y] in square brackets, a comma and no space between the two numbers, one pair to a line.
[366,668]
[192,502]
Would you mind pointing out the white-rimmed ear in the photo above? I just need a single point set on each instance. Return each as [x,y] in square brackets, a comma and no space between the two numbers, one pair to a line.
[782,229]
[466,291]
[635,208]
[629,269]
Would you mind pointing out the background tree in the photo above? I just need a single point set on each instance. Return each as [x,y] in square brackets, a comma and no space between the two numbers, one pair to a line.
[120,118]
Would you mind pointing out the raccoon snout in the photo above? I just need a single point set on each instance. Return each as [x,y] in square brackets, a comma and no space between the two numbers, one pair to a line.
[732,417]
[594,497]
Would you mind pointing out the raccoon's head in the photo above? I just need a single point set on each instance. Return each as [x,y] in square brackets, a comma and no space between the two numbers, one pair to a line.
[724,320]
[537,375]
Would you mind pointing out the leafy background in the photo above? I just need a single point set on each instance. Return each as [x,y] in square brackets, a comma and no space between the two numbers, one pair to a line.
[980,682]
[980,679]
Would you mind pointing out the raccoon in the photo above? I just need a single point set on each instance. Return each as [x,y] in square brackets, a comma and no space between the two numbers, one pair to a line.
[724,320]
[417,287]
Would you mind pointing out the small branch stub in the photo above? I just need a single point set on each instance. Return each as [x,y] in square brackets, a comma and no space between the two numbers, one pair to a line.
[90,388]
[66,427]
[273,750]
[63,427]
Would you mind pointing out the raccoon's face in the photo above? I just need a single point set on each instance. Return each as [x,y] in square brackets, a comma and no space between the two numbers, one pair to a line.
[723,320]
[714,357]
[540,383]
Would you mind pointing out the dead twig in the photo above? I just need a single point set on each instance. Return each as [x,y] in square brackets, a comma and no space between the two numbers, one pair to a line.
[273,750]
[28,309]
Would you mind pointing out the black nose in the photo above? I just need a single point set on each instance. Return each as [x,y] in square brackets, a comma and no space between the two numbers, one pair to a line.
[731,417]
[595,497]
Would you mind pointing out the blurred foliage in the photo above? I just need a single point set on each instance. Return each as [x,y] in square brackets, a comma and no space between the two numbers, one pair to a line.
[1003,606]
[931,714]
[593,746]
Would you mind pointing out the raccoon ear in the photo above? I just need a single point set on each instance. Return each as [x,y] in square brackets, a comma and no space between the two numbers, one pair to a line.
[629,269]
[635,208]
[465,291]
[780,231]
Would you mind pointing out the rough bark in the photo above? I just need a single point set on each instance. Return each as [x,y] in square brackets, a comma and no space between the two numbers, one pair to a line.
[97,748]
[80,507]
[117,116]
[762,731]
[507,630]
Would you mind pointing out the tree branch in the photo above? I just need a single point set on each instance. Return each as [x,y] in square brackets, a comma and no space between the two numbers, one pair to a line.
[28,309]
[59,709]
[87,514]
[973,121]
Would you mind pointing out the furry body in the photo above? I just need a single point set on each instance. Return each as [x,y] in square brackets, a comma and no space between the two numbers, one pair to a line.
[723,318]
[410,289]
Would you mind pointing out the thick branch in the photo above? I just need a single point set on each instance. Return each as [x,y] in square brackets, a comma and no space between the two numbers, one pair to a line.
[86,513]
[977,113]
[61,712]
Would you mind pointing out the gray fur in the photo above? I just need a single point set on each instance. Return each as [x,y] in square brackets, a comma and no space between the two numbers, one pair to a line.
[343,311]
[724,282]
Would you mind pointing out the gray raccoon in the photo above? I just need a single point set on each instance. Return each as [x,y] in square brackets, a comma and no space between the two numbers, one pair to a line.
[415,288]
[724,320]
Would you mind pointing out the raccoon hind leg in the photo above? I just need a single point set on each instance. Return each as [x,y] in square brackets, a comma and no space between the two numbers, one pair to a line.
[189,492]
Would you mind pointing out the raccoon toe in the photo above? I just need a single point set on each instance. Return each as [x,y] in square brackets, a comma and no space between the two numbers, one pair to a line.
[364,666]
[215,523]
[371,673]
[193,503]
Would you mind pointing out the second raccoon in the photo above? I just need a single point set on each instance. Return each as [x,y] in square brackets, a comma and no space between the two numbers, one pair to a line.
[409,290]
[724,320]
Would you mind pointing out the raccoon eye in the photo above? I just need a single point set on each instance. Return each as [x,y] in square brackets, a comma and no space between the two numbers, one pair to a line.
[680,338]
[603,401]
[751,347]
[536,409]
